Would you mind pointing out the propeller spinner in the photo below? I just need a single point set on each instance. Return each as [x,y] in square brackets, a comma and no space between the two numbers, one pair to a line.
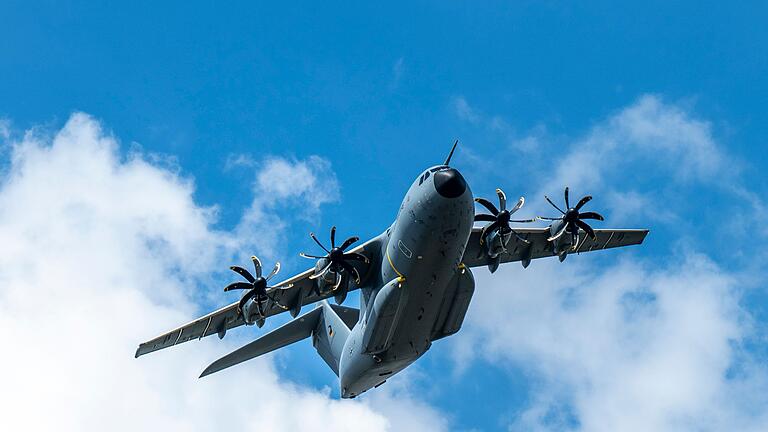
[256,287]
[572,218]
[337,260]
[500,218]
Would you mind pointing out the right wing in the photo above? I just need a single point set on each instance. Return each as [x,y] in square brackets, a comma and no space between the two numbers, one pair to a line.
[539,247]
[220,321]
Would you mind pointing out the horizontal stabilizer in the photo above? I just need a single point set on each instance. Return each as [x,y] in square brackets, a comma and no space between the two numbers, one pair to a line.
[347,314]
[293,331]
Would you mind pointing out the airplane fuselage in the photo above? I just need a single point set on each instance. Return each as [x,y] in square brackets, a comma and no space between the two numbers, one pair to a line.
[421,255]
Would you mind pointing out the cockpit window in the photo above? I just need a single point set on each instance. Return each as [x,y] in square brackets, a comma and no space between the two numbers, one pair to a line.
[423,177]
[426,174]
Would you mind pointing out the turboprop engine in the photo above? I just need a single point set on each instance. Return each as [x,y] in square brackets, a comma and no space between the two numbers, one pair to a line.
[257,293]
[564,230]
[495,236]
[334,270]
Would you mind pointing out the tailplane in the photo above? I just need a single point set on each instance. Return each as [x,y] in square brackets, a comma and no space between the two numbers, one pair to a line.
[329,325]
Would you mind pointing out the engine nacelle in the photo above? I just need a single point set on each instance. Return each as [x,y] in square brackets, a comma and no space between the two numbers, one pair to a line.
[251,313]
[328,281]
[562,245]
[496,243]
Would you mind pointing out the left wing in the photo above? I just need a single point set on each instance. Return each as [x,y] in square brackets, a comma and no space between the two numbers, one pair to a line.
[540,247]
[302,292]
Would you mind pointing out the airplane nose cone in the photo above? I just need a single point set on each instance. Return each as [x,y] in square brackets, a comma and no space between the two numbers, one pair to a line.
[450,183]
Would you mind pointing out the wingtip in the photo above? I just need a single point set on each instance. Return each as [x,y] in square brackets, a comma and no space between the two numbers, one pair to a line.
[138,352]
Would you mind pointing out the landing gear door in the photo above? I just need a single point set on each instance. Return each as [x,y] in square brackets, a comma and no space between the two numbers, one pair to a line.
[455,304]
[380,323]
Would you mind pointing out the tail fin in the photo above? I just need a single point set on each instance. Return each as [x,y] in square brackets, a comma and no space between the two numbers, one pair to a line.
[330,326]
[332,331]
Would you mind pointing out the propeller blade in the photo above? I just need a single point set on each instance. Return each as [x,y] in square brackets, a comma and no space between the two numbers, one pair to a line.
[244,273]
[249,295]
[351,270]
[559,233]
[354,256]
[238,286]
[260,307]
[256,265]
[271,296]
[274,271]
[488,228]
[553,204]
[567,203]
[333,237]
[583,201]
[487,204]
[575,245]
[321,272]
[502,199]
[336,286]
[348,242]
[318,242]
[518,237]
[523,220]
[591,215]
[485,218]
[518,206]
[280,288]
[583,225]
[303,255]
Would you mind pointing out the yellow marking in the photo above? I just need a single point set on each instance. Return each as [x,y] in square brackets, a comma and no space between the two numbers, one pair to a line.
[391,264]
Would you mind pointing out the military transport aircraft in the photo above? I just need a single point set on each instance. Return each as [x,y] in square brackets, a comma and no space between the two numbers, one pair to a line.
[415,281]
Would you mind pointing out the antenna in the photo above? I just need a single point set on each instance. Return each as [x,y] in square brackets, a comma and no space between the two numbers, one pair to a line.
[450,155]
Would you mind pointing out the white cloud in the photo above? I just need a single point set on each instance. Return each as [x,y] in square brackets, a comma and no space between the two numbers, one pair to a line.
[629,345]
[498,126]
[100,253]
[633,346]
[5,128]
[647,134]
[298,187]
[397,73]
[311,180]
[464,111]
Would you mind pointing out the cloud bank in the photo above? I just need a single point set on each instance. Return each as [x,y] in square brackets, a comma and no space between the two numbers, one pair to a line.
[633,344]
[102,251]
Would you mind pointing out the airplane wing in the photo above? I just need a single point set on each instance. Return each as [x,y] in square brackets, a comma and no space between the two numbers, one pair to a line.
[302,292]
[539,247]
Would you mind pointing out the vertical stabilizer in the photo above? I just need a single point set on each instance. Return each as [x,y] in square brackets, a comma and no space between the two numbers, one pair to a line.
[332,332]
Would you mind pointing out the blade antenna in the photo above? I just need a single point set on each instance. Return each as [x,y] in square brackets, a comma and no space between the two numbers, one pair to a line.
[450,155]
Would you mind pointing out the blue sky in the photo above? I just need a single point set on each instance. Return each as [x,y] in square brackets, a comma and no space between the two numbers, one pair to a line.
[655,109]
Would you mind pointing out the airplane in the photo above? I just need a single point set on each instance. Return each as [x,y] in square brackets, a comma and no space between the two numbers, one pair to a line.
[415,281]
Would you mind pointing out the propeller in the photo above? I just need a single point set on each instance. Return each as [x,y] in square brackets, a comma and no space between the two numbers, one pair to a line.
[500,218]
[256,286]
[337,260]
[572,218]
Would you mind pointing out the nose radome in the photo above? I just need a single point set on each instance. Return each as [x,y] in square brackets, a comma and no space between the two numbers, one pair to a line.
[450,183]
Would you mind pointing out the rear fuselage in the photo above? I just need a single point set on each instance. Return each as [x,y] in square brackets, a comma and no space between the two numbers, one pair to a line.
[420,255]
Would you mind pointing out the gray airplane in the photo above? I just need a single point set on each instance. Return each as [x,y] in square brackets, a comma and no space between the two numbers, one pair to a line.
[415,281]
